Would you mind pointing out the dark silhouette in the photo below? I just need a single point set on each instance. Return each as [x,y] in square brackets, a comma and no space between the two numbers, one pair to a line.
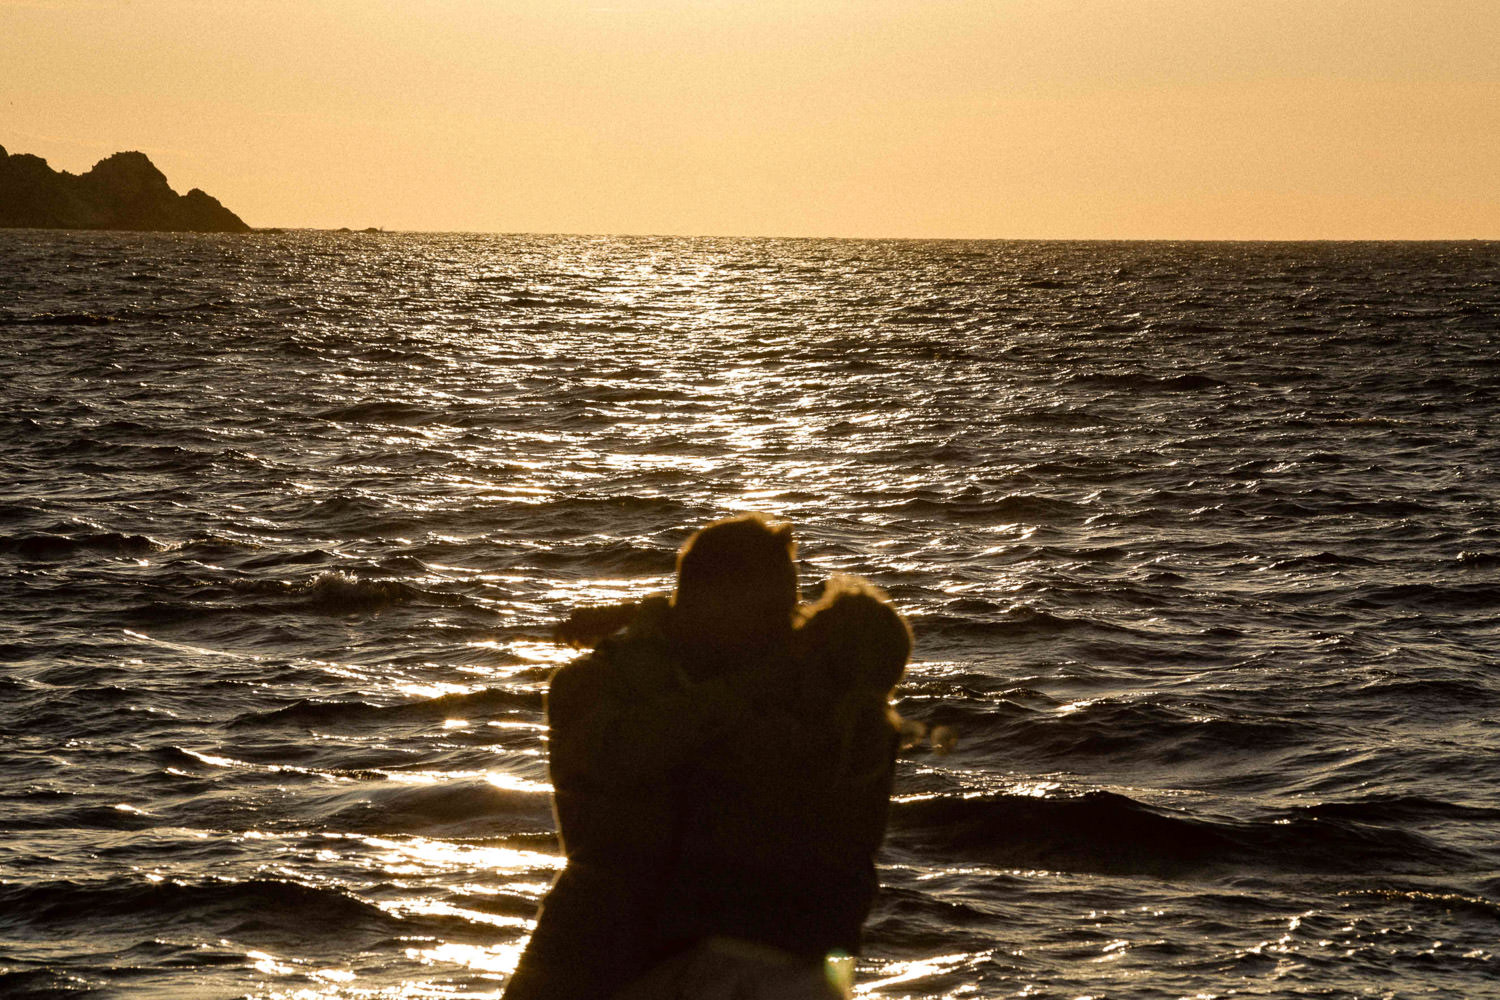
[721,768]
[783,811]
[123,191]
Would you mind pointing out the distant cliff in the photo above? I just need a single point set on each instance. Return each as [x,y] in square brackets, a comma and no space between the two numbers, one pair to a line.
[124,191]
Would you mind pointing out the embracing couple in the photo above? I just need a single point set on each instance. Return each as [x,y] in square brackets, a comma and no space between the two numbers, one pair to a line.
[721,767]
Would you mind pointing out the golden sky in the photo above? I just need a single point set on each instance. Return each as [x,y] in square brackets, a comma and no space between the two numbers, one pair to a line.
[1251,119]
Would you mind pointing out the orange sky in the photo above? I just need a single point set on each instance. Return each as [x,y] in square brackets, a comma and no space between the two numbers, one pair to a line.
[921,118]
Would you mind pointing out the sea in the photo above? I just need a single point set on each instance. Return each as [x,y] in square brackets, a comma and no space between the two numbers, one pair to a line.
[1200,543]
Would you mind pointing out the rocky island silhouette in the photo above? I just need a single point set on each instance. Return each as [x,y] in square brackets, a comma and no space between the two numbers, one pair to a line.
[123,191]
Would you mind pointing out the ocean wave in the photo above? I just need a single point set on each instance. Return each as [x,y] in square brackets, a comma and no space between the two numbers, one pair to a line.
[447,808]
[610,556]
[574,514]
[283,557]
[1104,832]
[217,902]
[1438,597]
[65,815]
[1319,560]
[1060,416]
[524,300]
[380,412]
[310,712]
[59,319]
[1399,694]
[419,359]
[1387,808]
[1098,832]
[908,921]
[18,983]
[1012,507]
[340,592]
[1185,382]
[1024,622]
[52,546]
[337,507]
[1426,898]
[1133,732]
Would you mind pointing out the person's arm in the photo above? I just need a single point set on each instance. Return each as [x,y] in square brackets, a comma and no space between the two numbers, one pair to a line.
[587,627]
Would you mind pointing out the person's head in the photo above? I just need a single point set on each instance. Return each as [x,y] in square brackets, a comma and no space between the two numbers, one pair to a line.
[855,638]
[737,586]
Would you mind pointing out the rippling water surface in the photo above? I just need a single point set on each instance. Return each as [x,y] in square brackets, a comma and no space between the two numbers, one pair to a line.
[1201,543]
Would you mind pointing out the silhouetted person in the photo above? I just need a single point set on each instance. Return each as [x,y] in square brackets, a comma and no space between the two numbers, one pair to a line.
[784,811]
[625,722]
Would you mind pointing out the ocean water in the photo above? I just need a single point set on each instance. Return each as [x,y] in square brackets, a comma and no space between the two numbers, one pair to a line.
[1200,542]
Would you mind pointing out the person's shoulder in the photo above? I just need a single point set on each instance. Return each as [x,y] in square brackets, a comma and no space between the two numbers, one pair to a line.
[634,659]
[650,619]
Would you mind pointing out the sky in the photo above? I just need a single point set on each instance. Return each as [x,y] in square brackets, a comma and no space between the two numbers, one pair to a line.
[1068,119]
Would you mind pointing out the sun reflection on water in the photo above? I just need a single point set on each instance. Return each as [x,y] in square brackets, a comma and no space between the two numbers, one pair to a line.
[601,590]
[422,691]
[437,908]
[500,958]
[532,652]
[906,972]
[416,855]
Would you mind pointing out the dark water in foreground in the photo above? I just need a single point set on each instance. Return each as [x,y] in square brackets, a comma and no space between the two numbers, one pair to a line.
[1201,543]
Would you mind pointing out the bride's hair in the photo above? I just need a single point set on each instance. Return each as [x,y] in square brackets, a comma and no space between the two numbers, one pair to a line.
[854,649]
[859,641]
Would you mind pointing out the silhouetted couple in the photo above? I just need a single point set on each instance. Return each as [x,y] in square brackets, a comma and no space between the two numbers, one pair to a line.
[721,767]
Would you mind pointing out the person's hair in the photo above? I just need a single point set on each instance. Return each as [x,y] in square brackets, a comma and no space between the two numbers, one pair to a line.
[736,552]
[737,584]
[855,647]
[859,639]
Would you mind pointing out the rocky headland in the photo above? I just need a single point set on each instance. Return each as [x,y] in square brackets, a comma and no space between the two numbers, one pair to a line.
[123,191]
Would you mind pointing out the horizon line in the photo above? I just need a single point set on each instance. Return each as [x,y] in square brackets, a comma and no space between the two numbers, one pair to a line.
[378,231]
